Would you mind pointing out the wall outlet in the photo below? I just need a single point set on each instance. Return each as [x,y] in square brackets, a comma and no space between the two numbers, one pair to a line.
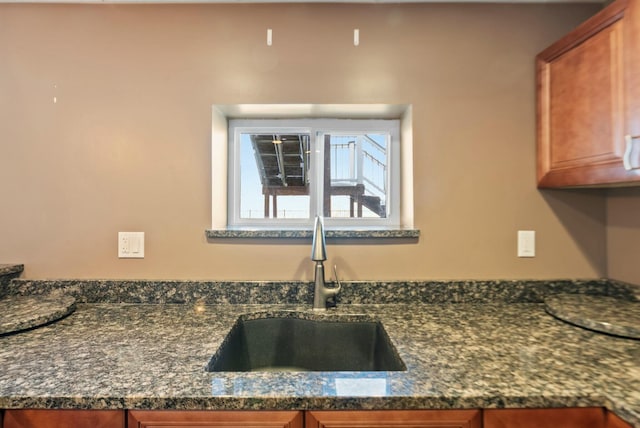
[526,243]
[131,245]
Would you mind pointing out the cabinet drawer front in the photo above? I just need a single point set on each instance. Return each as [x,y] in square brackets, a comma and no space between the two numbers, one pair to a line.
[394,419]
[214,419]
[592,417]
[64,418]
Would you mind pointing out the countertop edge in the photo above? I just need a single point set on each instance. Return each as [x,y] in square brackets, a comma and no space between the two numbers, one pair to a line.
[306,403]
[9,269]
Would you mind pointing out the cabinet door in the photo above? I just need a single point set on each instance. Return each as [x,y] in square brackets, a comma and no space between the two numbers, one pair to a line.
[592,417]
[213,419]
[632,68]
[393,419]
[581,104]
[614,421]
[63,418]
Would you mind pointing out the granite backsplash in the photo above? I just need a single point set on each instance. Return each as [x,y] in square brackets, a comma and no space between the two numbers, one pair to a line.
[300,292]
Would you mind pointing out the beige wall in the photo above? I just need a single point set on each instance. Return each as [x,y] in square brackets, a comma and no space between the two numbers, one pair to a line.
[127,145]
[623,234]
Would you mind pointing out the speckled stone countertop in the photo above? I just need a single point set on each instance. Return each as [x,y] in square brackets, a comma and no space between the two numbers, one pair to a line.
[24,312]
[7,273]
[466,355]
[366,233]
[299,292]
[600,313]
[7,269]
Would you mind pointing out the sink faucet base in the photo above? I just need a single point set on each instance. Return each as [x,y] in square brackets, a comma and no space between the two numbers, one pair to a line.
[321,292]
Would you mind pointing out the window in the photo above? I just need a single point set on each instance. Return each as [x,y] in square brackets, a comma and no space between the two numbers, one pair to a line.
[284,172]
[296,123]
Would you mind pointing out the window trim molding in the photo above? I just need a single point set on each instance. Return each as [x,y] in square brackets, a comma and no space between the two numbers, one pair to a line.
[222,113]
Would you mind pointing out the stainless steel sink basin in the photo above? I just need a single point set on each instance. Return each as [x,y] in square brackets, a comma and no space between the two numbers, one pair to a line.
[286,343]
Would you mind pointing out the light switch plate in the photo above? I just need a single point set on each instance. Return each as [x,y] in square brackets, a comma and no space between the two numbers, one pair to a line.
[131,245]
[526,243]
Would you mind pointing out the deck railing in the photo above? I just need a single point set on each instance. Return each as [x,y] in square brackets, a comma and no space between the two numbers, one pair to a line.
[359,160]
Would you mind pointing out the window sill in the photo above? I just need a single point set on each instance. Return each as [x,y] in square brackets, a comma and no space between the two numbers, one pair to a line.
[409,234]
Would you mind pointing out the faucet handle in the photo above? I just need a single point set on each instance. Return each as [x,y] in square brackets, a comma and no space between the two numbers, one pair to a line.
[335,272]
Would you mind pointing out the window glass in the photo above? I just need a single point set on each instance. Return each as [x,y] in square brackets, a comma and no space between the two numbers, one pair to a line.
[356,167]
[285,172]
[274,175]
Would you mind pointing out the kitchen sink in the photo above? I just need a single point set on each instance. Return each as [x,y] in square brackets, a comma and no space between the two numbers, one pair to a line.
[289,343]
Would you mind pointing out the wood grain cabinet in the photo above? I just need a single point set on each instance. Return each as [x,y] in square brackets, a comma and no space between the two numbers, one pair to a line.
[588,124]
[213,419]
[591,417]
[490,418]
[632,69]
[32,418]
[393,419]
[614,421]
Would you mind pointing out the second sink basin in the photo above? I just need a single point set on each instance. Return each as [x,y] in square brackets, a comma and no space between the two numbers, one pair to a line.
[290,343]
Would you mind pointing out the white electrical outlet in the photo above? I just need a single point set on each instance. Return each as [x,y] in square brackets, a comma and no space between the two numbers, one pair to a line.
[526,243]
[131,245]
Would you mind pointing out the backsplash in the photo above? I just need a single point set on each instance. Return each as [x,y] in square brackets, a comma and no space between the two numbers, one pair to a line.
[298,292]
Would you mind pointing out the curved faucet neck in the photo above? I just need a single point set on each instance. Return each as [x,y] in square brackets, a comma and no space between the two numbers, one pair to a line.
[318,245]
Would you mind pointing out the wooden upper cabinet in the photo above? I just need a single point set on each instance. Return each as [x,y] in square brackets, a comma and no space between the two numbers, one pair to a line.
[632,69]
[393,419]
[584,122]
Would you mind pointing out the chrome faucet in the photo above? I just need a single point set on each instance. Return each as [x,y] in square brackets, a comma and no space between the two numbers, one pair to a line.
[319,254]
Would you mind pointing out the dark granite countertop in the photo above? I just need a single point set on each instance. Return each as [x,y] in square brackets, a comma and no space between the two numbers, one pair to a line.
[8,269]
[599,313]
[8,272]
[467,355]
[24,312]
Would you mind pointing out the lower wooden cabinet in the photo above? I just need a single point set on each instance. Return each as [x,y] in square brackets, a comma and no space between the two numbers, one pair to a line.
[595,417]
[393,419]
[312,419]
[592,417]
[614,421]
[214,419]
[31,418]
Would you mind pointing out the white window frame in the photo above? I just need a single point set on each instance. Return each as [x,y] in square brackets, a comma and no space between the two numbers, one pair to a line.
[317,128]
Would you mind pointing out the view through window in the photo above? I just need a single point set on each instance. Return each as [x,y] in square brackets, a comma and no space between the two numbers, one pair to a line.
[287,172]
